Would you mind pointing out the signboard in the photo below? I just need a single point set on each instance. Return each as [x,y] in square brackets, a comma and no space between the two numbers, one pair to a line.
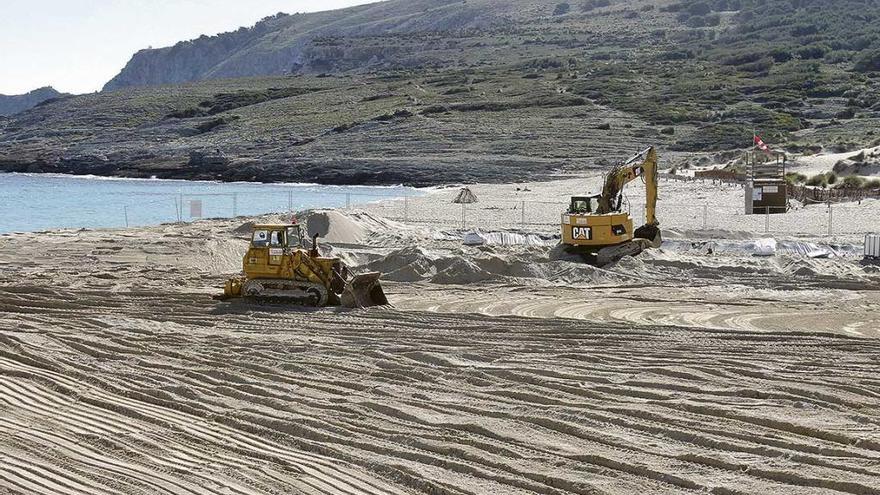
[195,208]
[771,189]
[757,194]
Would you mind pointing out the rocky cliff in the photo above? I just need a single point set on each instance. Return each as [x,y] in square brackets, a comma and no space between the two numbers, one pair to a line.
[353,38]
[10,105]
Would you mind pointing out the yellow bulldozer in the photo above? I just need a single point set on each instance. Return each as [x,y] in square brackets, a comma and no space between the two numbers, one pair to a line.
[596,228]
[279,269]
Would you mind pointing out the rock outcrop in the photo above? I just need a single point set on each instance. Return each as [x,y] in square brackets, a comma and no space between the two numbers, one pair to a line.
[11,105]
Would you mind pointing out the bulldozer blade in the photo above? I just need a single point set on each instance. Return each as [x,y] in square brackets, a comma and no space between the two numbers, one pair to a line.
[364,291]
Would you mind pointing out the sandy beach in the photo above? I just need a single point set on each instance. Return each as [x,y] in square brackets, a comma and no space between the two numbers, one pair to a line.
[695,368]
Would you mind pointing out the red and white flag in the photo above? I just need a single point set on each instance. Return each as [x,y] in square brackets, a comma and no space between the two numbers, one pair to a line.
[762,145]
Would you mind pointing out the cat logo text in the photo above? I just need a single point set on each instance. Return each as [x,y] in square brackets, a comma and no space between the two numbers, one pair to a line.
[582,233]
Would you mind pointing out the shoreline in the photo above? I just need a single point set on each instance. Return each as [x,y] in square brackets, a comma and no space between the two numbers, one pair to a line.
[63,175]
[356,176]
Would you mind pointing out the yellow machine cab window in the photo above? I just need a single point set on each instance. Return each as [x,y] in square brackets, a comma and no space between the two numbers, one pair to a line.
[294,236]
[276,238]
[583,204]
[260,238]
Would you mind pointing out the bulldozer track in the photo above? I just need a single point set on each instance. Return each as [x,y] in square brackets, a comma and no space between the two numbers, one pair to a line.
[272,291]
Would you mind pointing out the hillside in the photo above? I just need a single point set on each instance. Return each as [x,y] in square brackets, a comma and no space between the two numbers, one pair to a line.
[10,105]
[374,36]
[434,91]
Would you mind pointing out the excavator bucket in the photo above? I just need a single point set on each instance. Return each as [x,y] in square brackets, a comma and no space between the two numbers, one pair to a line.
[651,233]
[364,291]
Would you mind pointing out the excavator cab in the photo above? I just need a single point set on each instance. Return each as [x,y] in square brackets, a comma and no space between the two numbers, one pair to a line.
[583,204]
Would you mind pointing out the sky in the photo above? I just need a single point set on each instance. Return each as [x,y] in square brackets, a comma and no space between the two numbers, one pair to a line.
[78,45]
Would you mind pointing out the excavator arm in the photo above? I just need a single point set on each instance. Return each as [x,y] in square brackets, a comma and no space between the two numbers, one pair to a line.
[642,165]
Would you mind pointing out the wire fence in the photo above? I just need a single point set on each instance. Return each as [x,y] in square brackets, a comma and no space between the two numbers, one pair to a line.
[152,208]
[489,214]
[813,220]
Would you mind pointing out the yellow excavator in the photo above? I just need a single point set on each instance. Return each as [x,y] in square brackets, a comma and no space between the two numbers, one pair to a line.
[596,228]
[279,269]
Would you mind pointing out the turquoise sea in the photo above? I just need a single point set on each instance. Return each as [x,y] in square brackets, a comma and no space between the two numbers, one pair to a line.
[36,202]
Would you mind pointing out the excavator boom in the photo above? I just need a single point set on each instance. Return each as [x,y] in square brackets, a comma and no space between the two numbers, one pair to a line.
[642,165]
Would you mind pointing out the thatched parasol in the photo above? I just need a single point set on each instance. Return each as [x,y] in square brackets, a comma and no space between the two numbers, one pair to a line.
[465,196]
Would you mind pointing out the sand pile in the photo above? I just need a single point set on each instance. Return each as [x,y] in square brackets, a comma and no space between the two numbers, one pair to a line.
[244,229]
[334,227]
[462,271]
[467,266]
[409,264]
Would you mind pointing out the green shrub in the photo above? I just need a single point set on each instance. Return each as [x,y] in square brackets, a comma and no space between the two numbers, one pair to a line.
[795,178]
[699,21]
[562,9]
[812,51]
[852,182]
[594,4]
[846,113]
[831,177]
[699,8]
[872,184]
[818,181]
[868,62]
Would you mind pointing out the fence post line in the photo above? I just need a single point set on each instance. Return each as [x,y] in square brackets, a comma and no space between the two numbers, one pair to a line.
[766,219]
[177,209]
[705,216]
[180,204]
[348,200]
[463,215]
[125,212]
[405,207]
[234,204]
[830,220]
[522,214]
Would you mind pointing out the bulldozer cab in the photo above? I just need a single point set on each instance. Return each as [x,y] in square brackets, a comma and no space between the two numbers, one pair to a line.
[277,236]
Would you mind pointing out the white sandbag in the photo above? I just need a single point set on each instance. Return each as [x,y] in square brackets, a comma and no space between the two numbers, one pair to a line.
[811,250]
[765,247]
[474,239]
[479,238]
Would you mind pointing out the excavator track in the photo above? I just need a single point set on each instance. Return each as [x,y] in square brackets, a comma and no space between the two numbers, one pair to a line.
[606,255]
